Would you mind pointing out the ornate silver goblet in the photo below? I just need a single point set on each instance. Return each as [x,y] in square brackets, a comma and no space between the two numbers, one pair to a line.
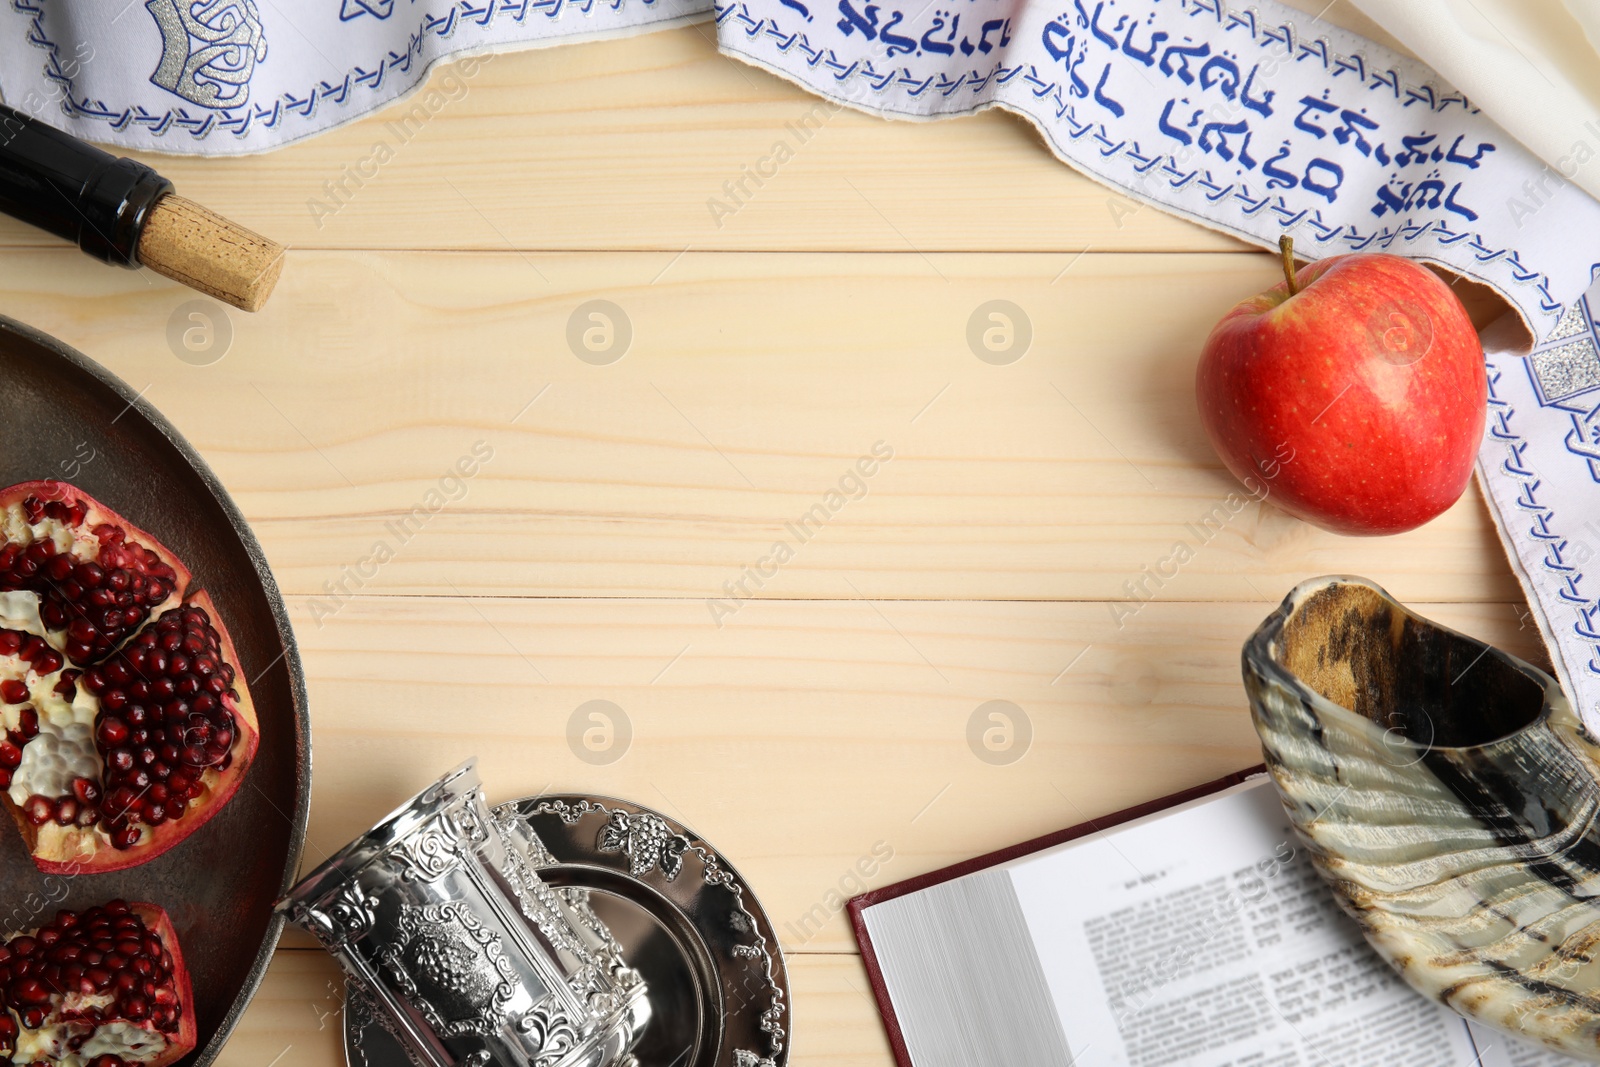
[453,943]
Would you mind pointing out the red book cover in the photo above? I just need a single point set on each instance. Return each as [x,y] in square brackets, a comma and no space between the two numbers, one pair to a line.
[911,885]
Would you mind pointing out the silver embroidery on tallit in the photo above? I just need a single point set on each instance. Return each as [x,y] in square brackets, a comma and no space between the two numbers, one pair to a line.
[209,49]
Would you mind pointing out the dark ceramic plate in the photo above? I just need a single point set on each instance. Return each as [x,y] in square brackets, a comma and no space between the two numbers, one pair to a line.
[63,416]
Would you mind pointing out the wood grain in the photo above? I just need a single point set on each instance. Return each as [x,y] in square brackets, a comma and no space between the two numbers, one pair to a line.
[752,385]
[823,709]
[799,735]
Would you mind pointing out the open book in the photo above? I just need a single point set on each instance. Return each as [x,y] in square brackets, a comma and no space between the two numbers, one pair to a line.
[1197,935]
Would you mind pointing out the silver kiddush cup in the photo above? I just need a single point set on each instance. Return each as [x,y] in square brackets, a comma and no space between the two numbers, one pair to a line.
[455,946]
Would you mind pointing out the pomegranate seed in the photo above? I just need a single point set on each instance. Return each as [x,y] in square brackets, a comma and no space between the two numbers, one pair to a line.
[111,732]
[13,691]
[86,790]
[38,810]
[30,991]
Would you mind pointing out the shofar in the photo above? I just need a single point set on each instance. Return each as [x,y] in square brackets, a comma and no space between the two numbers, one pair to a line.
[1448,795]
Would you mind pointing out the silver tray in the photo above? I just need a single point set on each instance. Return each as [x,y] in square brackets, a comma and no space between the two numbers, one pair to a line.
[719,992]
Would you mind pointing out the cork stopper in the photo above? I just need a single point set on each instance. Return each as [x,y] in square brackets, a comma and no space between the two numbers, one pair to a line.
[203,250]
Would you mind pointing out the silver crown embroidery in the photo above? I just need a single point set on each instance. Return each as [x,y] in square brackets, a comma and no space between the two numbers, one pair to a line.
[209,49]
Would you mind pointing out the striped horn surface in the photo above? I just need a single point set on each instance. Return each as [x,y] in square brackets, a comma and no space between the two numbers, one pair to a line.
[1447,793]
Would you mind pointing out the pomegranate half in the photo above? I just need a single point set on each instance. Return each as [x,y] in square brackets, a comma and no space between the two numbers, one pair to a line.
[110,754]
[105,987]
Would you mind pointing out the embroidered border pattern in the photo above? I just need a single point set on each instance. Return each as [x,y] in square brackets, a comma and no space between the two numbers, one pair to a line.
[1540,516]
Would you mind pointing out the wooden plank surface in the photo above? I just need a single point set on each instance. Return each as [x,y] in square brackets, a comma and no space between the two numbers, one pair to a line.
[752,385]
[801,734]
[822,710]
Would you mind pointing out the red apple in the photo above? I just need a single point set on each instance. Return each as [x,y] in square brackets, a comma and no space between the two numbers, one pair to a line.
[1353,393]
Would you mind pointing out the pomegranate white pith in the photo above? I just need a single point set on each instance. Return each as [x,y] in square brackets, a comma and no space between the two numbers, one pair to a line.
[54,1043]
[62,750]
[102,988]
[76,541]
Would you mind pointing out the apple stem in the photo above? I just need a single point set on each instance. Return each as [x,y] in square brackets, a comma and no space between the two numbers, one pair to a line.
[1286,246]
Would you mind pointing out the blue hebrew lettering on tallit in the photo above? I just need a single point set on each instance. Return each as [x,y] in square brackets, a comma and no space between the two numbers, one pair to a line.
[1256,120]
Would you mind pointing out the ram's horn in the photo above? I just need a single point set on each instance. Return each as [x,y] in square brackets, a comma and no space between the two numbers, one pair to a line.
[1448,795]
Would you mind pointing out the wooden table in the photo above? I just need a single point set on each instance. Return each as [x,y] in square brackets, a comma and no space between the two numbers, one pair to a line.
[824,713]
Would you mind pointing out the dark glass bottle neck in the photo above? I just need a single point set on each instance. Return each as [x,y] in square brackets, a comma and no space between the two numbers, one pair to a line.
[58,183]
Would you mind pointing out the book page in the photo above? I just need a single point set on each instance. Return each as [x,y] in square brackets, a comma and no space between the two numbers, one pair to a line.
[1203,938]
